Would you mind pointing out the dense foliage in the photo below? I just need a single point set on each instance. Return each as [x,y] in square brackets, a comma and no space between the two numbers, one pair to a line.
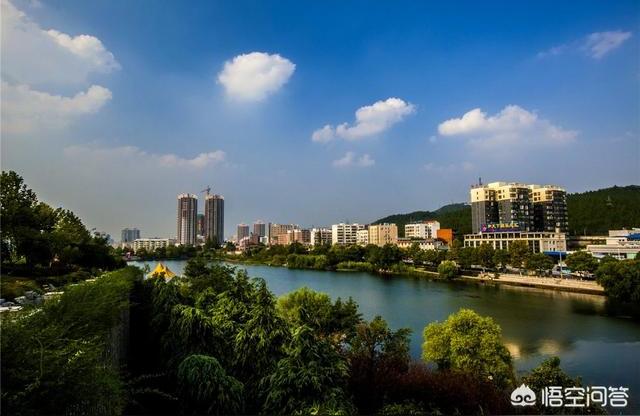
[38,239]
[64,357]
[620,279]
[590,213]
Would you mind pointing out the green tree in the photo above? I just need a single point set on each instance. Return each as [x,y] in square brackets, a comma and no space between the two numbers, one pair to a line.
[549,373]
[519,251]
[485,256]
[620,279]
[311,376]
[501,258]
[540,263]
[466,341]
[581,261]
[207,388]
[448,270]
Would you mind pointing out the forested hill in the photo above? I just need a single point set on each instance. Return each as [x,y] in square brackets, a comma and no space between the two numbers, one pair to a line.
[590,213]
[596,212]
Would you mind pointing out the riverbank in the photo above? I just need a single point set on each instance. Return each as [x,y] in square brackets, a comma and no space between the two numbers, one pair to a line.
[563,285]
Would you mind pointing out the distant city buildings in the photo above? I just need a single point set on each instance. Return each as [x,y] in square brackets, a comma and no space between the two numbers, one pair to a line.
[620,244]
[298,235]
[129,234]
[278,230]
[320,236]
[539,242]
[187,219]
[345,234]
[260,229]
[381,234]
[200,227]
[422,230]
[242,232]
[522,206]
[214,218]
[150,244]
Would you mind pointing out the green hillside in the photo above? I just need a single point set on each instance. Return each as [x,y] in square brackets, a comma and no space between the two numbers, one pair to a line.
[590,213]
[596,212]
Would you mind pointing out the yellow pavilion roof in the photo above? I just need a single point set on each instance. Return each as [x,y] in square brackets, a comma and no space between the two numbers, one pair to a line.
[160,269]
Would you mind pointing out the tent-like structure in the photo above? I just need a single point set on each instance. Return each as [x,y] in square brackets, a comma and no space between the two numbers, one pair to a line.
[161,270]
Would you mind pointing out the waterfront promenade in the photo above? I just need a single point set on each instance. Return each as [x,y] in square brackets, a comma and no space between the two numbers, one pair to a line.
[554,283]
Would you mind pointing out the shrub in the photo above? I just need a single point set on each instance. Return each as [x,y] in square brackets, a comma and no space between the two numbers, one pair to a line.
[448,270]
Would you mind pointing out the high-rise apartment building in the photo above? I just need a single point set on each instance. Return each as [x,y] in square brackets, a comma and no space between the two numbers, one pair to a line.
[381,234]
[422,230]
[214,218]
[320,236]
[242,231]
[550,208]
[518,206]
[187,219]
[260,229]
[345,234]
[129,234]
[298,235]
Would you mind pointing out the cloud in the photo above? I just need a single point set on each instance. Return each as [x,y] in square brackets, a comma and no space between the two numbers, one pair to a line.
[123,154]
[450,168]
[31,55]
[595,45]
[25,110]
[254,76]
[350,159]
[370,120]
[599,44]
[513,125]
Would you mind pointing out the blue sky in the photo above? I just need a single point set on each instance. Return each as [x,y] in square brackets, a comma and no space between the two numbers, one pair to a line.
[112,108]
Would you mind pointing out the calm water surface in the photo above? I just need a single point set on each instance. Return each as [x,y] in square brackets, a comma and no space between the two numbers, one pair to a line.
[603,350]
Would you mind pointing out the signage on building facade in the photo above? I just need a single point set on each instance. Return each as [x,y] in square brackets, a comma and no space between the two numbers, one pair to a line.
[500,228]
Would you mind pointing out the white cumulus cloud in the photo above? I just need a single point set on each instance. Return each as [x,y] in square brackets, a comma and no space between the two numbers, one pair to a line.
[122,154]
[351,159]
[25,110]
[370,120]
[254,76]
[34,56]
[513,125]
[599,44]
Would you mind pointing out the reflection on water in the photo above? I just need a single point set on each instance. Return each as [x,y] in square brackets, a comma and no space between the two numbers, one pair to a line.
[585,331]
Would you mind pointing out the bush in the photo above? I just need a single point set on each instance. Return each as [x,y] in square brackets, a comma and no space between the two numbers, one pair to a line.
[620,279]
[361,266]
[448,270]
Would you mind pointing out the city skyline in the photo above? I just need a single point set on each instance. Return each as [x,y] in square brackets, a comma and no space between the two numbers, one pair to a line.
[414,100]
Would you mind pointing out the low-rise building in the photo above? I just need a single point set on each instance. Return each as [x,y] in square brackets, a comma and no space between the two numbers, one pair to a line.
[381,234]
[620,244]
[150,244]
[345,234]
[422,230]
[424,244]
[302,236]
[320,236]
[362,237]
[539,242]
[445,234]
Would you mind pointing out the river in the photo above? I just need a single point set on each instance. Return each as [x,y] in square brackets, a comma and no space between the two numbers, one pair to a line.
[603,349]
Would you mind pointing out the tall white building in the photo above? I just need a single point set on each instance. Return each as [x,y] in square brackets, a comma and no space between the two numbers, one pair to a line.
[422,230]
[320,236]
[187,219]
[345,234]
